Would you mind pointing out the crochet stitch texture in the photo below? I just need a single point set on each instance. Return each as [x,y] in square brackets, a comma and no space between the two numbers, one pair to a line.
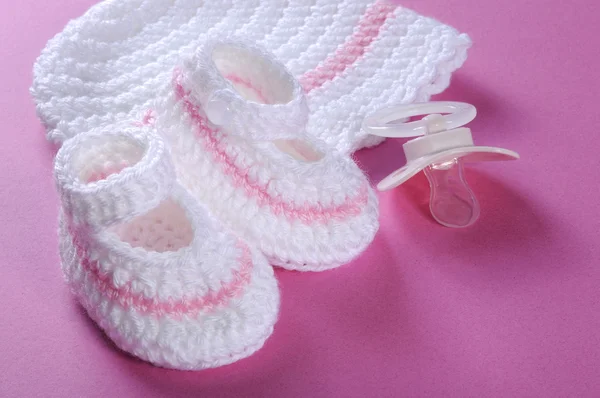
[152,268]
[351,57]
[305,206]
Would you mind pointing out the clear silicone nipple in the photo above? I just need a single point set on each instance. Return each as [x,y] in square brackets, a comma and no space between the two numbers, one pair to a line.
[452,202]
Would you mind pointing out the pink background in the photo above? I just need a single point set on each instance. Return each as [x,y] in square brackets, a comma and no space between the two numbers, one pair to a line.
[507,308]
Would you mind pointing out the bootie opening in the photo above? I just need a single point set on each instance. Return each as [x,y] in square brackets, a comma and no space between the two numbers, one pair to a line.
[253,76]
[165,228]
[101,158]
[257,79]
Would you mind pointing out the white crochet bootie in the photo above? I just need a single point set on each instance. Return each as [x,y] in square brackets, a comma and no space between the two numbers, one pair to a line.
[235,119]
[150,266]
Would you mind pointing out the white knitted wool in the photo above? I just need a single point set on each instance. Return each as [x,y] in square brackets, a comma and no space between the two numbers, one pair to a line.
[351,57]
[158,274]
[306,206]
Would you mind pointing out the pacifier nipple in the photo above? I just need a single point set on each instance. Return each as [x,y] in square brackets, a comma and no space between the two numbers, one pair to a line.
[452,202]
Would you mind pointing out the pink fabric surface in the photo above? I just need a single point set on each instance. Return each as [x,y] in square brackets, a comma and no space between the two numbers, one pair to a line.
[507,308]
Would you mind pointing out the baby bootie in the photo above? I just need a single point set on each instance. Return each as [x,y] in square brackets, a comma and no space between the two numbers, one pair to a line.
[235,119]
[152,268]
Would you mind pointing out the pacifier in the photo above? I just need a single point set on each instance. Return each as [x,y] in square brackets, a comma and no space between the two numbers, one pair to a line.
[442,147]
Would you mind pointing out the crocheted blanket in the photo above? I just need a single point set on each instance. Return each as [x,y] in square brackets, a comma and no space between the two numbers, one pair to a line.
[351,57]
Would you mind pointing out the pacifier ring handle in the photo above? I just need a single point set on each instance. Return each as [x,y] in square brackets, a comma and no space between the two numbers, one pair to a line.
[456,114]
